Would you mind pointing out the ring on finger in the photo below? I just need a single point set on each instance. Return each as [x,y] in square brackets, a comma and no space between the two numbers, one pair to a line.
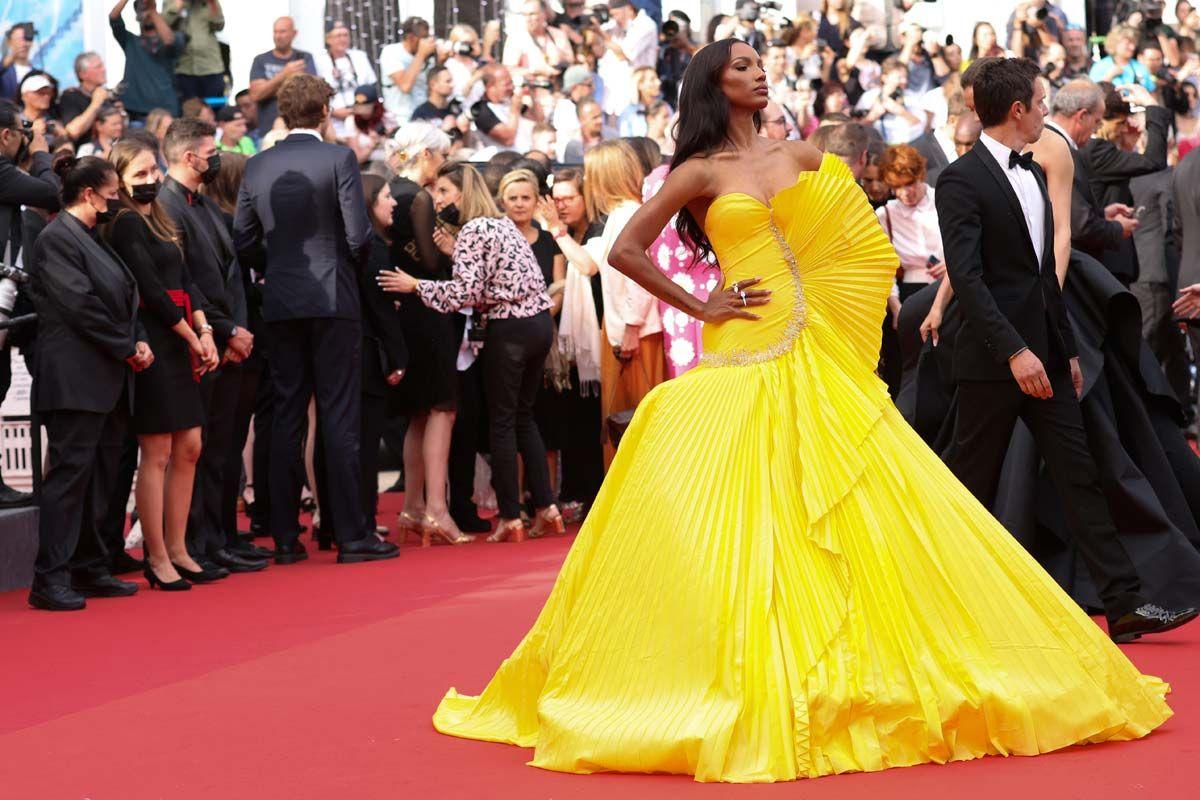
[737,289]
[743,296]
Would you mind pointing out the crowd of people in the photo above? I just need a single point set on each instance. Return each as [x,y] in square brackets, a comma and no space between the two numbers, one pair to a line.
[208,270]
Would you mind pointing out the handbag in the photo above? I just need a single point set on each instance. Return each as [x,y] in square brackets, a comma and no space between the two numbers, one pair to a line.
[616,423]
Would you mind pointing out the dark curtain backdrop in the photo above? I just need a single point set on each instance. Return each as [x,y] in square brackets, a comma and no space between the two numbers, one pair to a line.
[375,23]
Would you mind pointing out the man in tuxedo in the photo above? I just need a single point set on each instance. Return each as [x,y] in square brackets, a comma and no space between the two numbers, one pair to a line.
[1099,232]
[1015,355]
[192,160]
[302,223]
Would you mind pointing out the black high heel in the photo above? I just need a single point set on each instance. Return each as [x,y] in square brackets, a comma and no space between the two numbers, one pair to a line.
[156,582]
[194,576]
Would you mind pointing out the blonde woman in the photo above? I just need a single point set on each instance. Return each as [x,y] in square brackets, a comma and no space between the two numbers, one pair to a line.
[496,273]
[428,395]
[631,355]
[1120,67]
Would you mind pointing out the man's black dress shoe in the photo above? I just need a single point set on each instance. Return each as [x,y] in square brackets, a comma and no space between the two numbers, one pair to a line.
[122,563]
[11,498]
[235,563]
[1148,619]
[368,548]
[251,551]
[103,585]
[206,574]
[290,553]
[56,598]
[471,523]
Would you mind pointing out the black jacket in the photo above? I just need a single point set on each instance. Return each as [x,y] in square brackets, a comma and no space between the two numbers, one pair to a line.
[1108,170]
[38,188]
[1185,189]
[1009,299]
[384,348]
[86,300]
[302,223]
[210,258]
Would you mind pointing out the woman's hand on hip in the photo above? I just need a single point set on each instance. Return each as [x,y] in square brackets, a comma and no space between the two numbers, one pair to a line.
[734,302]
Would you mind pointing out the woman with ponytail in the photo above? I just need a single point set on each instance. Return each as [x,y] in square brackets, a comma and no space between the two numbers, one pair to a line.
[89,346]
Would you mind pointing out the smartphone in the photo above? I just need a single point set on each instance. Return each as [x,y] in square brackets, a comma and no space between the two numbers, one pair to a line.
[1139,212]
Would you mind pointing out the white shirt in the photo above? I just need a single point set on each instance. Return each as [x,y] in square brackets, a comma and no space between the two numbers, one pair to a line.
[639,43]
[946,143]
[350,72]
[625,301]
[395,58]
[915,235]
[1029,193]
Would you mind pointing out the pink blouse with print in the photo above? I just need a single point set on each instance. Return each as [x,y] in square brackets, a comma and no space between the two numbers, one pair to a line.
[495,271]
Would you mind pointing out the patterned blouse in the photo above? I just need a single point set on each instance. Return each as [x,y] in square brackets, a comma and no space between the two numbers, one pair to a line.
[495,271]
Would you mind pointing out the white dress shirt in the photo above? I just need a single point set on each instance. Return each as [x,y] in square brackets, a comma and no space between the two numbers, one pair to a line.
[915,235]
[946,143]
[1029,193]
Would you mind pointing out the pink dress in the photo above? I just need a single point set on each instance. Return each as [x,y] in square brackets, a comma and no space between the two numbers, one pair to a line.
[681,333]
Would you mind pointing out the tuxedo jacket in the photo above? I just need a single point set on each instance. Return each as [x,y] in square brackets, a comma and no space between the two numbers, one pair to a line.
[302,223]
[1010,300]
[211,262]
[86,300]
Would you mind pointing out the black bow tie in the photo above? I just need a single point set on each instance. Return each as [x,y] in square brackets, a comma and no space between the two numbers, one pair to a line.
[1017,160]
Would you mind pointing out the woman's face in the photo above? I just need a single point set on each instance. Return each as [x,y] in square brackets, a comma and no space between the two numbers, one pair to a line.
[1126,48]
[141,170]
[910,193]
[569,202]
[1193,96]
[873,185]
[743,79]
[111,127]
[431,162]
[836,102]
[98,198]
[649,85]
[382,208]
[520,201]
[40,100]
[445,193]
[985,39]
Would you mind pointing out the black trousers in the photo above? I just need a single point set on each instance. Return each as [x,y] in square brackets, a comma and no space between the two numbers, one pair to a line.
[251,372]
[321,357]
[987,413]
[374,417]
[264,419]
[514,358]
[583,449]
[85,450]
[112,527]
[220,392]
[468,438]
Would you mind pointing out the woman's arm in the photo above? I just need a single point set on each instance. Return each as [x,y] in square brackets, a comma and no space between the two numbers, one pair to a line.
[1054,156]
[472,253]
[560,276]
[576,253]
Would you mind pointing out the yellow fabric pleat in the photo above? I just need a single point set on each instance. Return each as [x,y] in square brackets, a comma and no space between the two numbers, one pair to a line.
[779,579]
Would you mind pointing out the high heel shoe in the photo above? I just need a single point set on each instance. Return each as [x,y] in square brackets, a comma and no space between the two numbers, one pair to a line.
[431,528]
[511,530]
[410,523]
[200,576]
[548,520]
[156,582]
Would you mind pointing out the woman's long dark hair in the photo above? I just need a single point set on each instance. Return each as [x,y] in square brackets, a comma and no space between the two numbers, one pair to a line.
[702,128]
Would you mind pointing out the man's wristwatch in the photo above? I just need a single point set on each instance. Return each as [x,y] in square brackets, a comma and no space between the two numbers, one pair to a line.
[233,331]
[206,328]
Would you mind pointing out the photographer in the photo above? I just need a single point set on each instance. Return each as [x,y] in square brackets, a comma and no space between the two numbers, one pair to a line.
[675,53]
[1147,19]
[403,66]
[344,68]
[631,41]
[17,44]
[370,126]
[37,188]
[1034,26]
[499,115]
[886,107]
[150,59]
[201,70]
[442,108]
[747,15]
[1120,67]
[464,60]
[79,105]
[269,70]
[538,50]
[36,96]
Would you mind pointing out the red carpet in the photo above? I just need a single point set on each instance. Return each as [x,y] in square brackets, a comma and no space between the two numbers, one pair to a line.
[318,681]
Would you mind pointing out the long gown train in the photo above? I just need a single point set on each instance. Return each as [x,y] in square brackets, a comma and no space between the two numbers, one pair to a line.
[779,579]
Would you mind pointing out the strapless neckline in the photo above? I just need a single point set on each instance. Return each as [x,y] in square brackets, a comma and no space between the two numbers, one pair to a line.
[769,205]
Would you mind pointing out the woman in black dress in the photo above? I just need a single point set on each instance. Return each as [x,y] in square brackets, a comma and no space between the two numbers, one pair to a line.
[428,393]
[167,411]
[519,199]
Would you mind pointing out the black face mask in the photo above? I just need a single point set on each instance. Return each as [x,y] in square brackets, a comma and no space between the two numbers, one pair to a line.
[145,192]
[214,167]
[110,213]
[449,214]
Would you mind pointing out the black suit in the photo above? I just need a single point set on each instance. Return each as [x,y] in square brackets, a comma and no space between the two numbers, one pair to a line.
[935,157]
[208,249]
[86,300]
[1010,301]
[1109,169]
[302,223]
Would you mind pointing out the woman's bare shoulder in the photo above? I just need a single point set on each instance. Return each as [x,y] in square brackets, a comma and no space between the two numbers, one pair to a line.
[807,157]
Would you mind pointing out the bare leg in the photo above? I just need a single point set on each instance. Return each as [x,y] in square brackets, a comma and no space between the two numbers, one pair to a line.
[414,466]
[436,452]
[156,452]
[185,451]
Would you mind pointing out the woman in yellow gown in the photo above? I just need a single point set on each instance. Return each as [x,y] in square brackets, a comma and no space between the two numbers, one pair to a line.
[779,579]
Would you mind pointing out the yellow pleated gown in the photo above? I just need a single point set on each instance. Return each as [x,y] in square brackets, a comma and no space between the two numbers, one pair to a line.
[779,579]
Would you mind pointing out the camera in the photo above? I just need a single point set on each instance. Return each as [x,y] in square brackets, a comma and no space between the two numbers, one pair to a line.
[1042,13]
[464,49]
[27,27]
[670,29]
[539,83]
[10,279]
[600,13]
